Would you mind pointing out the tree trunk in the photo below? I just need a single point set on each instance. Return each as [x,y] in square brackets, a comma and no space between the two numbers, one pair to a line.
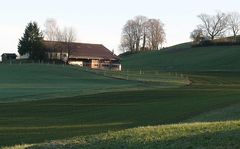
[137,45]
[235,36]
[212,37]
[144,42]
[68,51]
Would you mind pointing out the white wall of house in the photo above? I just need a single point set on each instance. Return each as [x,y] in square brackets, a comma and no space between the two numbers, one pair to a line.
[25,56]
[77,63]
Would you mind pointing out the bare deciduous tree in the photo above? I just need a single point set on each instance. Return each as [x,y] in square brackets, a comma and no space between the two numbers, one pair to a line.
[59,38]
[51,29]
[144,27]
[234,23]
[155,34]
[51,33]
[140,31]
[215,25]
[128,36]
[69,36]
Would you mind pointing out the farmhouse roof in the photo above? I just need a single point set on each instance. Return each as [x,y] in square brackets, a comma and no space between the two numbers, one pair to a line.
[83,50]
[9,54]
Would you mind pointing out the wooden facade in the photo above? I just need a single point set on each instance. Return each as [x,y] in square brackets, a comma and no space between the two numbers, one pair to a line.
[97,64]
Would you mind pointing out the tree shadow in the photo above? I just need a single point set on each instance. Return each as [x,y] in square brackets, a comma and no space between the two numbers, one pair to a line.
[231,113]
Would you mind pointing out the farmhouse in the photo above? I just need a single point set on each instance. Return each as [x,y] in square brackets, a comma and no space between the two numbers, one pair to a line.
[8,57]
[94,56]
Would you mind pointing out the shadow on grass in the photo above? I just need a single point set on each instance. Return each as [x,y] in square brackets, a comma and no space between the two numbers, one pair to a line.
[28,135]
[230,113]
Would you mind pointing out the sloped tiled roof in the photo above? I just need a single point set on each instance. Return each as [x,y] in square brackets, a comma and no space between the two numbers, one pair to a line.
[86,50]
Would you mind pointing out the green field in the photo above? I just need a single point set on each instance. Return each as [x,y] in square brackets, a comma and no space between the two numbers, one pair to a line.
[185,58]
[40,81]
[38,121]
[32,82]
[192,104]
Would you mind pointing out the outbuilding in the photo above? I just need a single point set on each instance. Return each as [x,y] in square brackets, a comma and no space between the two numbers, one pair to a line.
[8,57]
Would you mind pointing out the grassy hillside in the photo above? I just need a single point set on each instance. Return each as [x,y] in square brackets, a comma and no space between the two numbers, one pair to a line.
[38,81]
[185,58]
[61,118]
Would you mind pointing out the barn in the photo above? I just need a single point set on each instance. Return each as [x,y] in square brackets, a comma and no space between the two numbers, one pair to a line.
[95,56]
[8,57]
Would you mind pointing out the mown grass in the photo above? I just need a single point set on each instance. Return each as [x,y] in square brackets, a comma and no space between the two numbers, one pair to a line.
[159,78]
[216,129]
[21,82]
[32,122]
[192,135]
[37,121]
[230,113]
[196,135]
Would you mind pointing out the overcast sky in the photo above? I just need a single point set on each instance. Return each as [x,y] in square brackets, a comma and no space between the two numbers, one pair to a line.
[101,21]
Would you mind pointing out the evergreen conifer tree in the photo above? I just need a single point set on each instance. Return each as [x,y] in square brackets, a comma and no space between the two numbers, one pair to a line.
[32,42]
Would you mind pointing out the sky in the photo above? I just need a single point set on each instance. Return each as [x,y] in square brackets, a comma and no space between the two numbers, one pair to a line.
[101,21]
